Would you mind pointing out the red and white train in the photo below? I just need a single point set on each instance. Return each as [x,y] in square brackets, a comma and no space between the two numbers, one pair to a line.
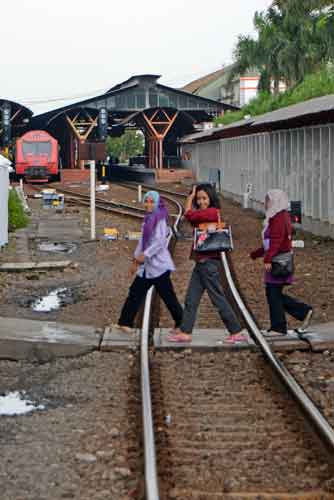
[37,157]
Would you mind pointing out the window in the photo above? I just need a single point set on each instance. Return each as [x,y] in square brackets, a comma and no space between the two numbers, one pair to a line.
[163,100]
[153,100]
[36,148]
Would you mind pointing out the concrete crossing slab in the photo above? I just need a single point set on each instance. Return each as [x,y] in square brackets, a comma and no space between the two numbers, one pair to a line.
[116,339]
[202,339]
[62,229]
[289,342]
[320,337]
[44,340]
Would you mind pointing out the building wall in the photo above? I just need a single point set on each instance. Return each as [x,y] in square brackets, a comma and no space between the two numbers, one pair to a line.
[4,185]
[299,161]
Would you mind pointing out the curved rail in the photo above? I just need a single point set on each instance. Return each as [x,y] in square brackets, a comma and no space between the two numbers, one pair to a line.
[102,200]
[315,417]
[101,204]
[151,476]
[134,185]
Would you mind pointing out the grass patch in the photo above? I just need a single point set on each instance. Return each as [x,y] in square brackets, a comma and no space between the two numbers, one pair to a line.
[315,85]
[17,217]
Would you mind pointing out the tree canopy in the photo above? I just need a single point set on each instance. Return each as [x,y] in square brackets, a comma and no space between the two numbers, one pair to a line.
[131,143]
[294,38]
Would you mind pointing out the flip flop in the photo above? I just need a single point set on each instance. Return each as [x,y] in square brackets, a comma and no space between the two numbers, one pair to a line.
[123,329]
[178,339]
[234,339]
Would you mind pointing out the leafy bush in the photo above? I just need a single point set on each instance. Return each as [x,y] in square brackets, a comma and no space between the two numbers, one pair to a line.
[131,143]
[17,217]
[315,85]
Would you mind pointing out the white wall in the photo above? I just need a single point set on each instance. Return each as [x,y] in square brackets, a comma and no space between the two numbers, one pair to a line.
[299,161]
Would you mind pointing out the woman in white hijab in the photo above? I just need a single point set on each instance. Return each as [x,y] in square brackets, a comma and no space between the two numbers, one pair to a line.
[277,239]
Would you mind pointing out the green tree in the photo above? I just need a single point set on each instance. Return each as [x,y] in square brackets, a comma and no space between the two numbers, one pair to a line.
[294,38]
[131,143]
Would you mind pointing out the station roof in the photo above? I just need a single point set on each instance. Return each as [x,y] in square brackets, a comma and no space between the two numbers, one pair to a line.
[142,92]
[312,112]
[17,107]
[21,117]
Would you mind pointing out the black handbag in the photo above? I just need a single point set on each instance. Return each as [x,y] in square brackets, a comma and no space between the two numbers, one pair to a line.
[213,240]
[282,265]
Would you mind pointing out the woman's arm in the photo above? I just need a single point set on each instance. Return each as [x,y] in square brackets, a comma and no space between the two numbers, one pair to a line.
[277,234]
[196,217]
[259,252]
[190,199]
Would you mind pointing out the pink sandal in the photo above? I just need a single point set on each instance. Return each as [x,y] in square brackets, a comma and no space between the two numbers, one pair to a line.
[238,337]
[178,338]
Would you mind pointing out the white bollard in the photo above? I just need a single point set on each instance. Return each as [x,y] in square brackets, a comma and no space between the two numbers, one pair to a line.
[92,201]
[140,194]
[21,184]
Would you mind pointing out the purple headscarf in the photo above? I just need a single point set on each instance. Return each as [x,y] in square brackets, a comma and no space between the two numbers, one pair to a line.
[151,219]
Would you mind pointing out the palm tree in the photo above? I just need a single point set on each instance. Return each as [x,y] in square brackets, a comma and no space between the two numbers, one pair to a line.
[294,38]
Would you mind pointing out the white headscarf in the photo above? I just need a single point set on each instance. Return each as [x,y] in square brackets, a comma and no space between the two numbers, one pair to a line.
[277,201]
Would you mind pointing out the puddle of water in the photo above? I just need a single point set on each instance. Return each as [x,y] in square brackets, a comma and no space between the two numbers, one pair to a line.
[16,403]
[57,247]
[50,302]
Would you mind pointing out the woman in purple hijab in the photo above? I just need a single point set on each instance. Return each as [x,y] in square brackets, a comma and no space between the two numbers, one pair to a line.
[152,265]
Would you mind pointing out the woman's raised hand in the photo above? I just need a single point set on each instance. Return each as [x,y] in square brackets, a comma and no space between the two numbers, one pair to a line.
[190,199]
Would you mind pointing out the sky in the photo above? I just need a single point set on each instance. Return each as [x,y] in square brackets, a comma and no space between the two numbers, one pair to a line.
[75,49]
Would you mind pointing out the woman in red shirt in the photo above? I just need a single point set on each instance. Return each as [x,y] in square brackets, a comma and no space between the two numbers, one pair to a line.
[276,236]
[206,273]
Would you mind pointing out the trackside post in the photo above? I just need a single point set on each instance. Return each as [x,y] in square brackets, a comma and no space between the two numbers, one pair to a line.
[92,201]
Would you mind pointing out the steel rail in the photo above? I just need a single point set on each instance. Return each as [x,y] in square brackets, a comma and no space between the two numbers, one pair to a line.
[148,187]
[315,417]
[151,476]
[115,204]
[101,204]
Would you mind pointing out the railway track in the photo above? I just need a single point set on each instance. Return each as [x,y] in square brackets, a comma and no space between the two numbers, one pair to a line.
[227,424]
[230,425]
[101,204]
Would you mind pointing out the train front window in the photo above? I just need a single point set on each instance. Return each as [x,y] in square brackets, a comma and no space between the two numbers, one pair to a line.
[36,148]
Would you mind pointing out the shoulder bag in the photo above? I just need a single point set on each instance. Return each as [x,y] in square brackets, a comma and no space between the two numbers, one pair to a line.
[213,237]
[282,264]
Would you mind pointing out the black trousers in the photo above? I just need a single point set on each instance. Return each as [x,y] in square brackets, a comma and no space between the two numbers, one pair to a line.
[279,303]
[137,294]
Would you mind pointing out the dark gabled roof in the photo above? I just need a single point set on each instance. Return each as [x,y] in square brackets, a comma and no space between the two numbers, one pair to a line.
[133,81]
[147,81]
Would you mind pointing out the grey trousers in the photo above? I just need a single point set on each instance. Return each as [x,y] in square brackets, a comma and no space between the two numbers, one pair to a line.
[205,276]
